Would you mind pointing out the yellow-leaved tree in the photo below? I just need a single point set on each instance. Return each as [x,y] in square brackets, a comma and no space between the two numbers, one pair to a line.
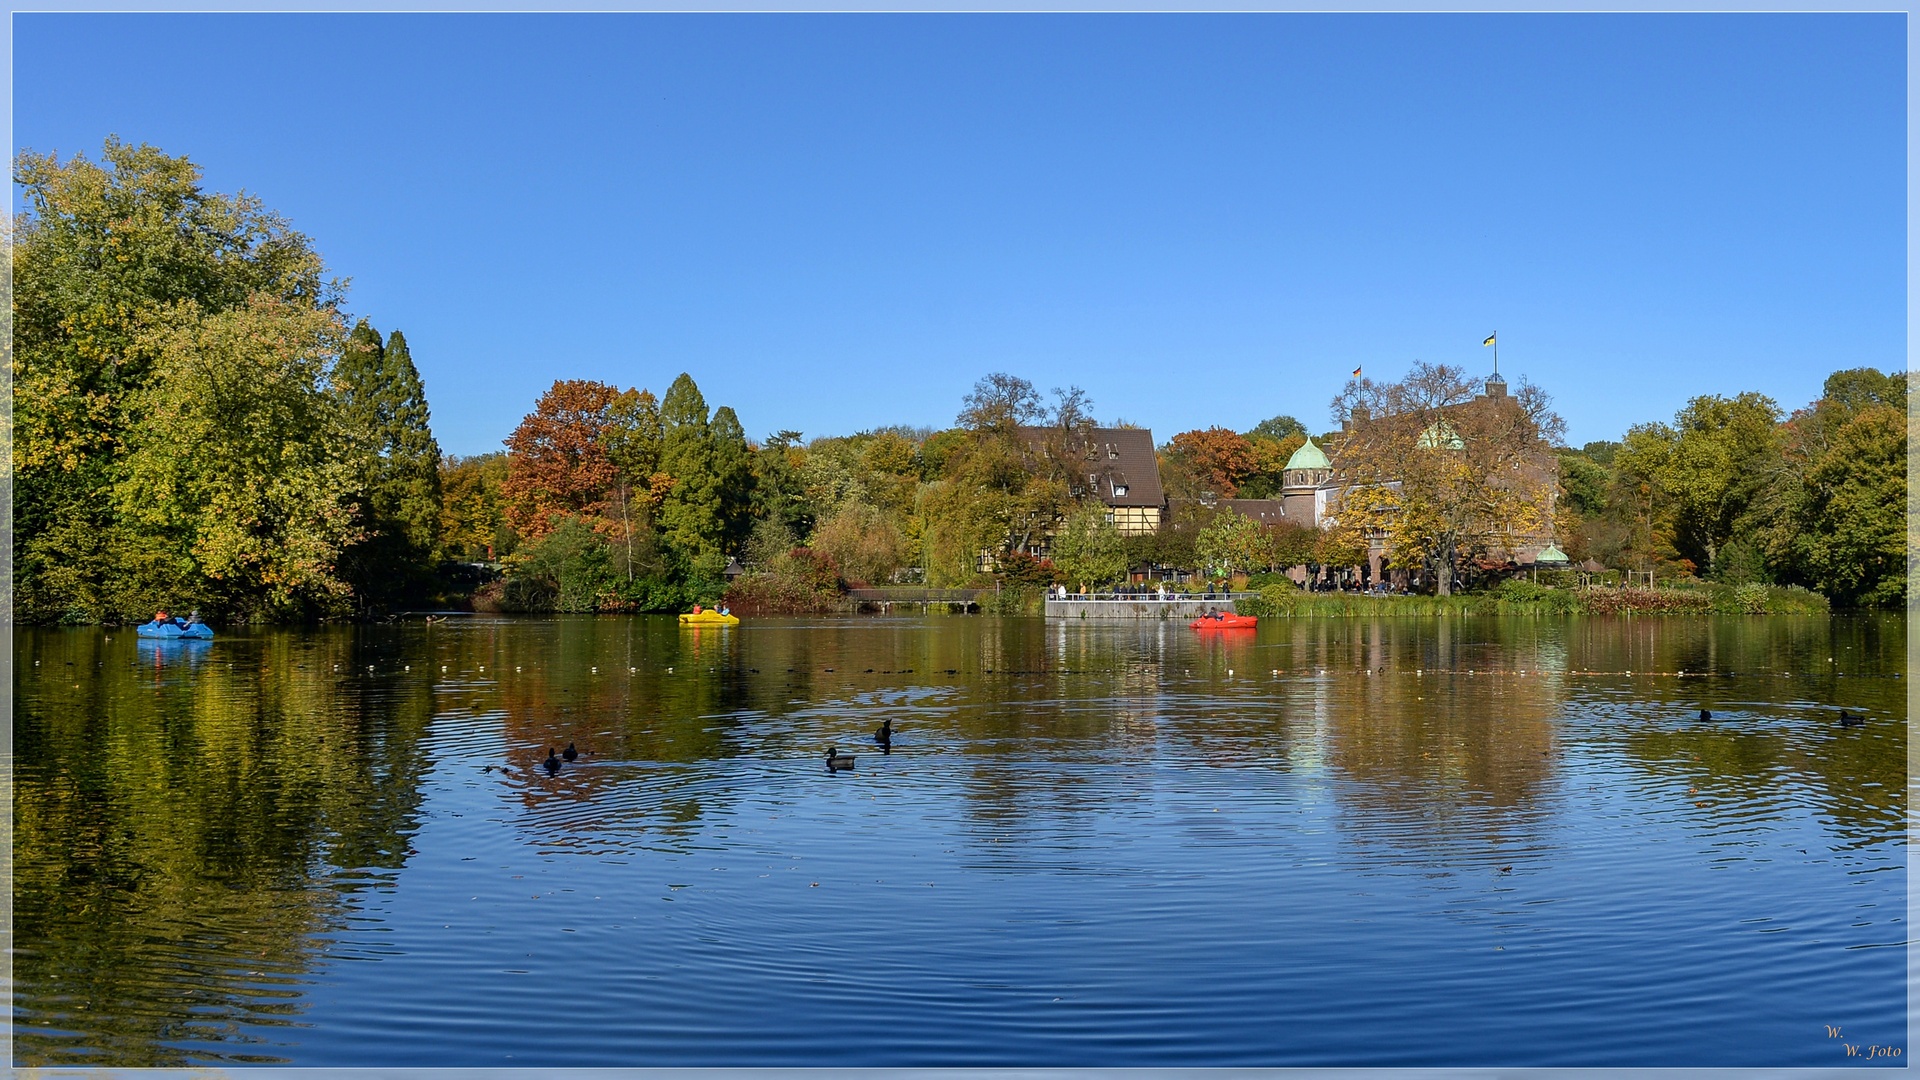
[1443,474]
[242,484]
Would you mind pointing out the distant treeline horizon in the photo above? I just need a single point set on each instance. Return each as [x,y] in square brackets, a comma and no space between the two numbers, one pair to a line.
[199,424]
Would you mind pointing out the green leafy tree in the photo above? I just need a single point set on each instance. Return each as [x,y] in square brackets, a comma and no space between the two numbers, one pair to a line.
[1290,544]
[733,480]
[633,439]
[1088,550]
[1279,429]
[997,495]
[1234,544]
[571,567]
[1723,453]
[1852,538]
[1832,518]
[104,257]
[243,483]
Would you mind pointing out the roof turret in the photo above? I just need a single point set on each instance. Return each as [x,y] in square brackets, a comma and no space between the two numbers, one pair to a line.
[1309,456]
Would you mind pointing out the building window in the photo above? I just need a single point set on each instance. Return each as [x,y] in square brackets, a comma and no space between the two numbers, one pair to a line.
[1119,491]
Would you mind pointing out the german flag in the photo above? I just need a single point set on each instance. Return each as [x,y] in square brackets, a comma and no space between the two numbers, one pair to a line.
[1356,373]
[1489,340]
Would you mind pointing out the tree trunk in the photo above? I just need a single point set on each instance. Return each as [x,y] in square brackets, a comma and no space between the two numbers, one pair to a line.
[626,526]
[1443,578]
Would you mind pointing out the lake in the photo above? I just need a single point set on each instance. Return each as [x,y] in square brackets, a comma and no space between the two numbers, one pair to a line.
[1396,842]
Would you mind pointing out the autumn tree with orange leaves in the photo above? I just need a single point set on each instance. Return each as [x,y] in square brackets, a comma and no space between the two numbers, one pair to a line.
[558,465]
[1213,461]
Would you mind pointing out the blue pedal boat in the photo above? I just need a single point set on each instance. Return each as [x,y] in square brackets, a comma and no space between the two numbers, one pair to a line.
[196,632]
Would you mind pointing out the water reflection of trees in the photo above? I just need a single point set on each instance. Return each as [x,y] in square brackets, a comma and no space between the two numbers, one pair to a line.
[1775,685]
[178,819]
[174,816]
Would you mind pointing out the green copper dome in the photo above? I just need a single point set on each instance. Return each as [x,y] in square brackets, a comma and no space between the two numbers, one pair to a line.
[1552,555]
[1309,456]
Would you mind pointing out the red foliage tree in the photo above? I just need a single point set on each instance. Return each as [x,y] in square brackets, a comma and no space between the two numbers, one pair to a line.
[1217,459]
[557,463]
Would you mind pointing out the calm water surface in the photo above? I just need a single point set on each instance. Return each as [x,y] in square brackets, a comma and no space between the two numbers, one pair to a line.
[1421,842]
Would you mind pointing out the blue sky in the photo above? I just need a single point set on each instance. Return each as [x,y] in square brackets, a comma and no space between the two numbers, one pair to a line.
[839,222]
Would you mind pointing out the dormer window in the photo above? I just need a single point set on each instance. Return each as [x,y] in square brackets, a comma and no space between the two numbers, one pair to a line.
[1119,491]
[1112,454]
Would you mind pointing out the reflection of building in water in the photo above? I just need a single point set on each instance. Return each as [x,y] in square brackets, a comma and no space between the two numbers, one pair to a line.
[1307,736]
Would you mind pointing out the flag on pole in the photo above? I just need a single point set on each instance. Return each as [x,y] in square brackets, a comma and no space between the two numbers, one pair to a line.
[1356,373]
[1489,340]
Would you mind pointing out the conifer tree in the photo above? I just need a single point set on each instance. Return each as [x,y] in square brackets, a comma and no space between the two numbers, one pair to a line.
[386,406]
[733,478]
[691,513]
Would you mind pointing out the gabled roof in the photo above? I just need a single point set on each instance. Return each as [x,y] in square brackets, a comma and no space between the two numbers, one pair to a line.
[1119,464]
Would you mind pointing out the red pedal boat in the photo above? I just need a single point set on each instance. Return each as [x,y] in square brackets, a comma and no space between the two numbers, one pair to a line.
[1221,620]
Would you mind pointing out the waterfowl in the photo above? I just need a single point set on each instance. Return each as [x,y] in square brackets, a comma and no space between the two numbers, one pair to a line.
[569,753]
[837,761]
[884,733]
[1847,719]
[552,763]
[1705,715]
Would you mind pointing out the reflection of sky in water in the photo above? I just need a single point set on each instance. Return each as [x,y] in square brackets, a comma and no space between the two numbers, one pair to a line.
[1129,844]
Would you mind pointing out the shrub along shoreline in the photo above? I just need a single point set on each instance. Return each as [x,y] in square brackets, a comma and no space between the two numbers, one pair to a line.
[1527,598]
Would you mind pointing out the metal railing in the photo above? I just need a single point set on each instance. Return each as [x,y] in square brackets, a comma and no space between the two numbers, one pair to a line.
[1149,597]
[913,595]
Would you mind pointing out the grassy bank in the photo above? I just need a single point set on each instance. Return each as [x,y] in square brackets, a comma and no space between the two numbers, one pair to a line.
[1526,598]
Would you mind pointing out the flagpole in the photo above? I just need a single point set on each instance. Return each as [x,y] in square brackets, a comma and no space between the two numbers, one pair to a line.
[1496,354]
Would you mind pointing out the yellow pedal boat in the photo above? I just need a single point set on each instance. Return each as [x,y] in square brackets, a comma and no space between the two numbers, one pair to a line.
[709,618]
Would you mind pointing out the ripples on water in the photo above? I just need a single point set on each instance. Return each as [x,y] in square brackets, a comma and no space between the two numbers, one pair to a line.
[1471,842]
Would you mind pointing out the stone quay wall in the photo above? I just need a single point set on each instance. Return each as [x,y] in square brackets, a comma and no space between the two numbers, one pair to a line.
[1142,607]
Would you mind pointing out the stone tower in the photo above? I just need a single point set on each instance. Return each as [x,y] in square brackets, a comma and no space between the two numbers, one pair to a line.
[1306,470]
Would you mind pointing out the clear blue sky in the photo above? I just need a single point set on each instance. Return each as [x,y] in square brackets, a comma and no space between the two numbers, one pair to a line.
[839,222]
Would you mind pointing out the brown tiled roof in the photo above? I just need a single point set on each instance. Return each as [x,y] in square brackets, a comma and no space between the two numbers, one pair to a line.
[1263,511]
[1119,459]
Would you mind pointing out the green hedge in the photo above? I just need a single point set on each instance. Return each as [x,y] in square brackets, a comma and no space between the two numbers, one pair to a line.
[1519,597]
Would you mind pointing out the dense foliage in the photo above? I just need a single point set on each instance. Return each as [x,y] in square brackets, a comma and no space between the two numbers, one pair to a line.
[1735,492]
[198,424]
[195,424]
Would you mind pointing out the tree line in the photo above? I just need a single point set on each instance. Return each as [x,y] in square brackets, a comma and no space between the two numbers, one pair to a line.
[199,423]
[1739,490]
